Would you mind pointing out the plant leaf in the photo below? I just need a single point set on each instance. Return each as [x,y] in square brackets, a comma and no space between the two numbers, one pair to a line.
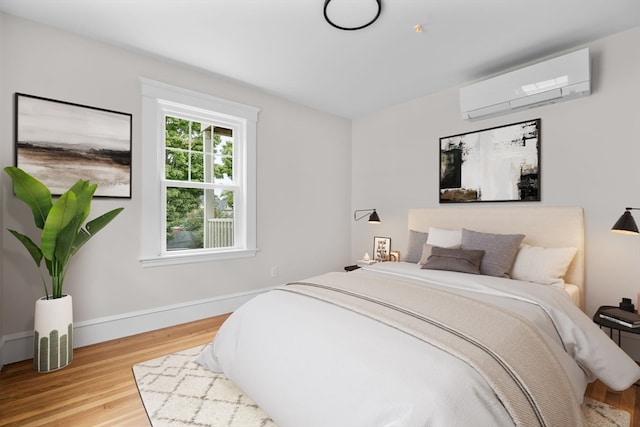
[60,215]
[84,191]
[100,222]
[32,192]
[33,249]
[81,238]
[93,227]
[67,241]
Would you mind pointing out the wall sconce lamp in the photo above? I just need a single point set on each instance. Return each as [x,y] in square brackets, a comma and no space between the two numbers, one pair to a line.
[373,215]
[626,224]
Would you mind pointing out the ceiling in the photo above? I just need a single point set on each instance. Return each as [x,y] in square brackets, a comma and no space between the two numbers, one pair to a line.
[286,48]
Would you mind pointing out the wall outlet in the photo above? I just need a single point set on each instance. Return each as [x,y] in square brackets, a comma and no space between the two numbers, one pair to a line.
[274,271]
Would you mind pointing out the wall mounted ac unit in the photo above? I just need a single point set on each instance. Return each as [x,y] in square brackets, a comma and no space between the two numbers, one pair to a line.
[559,79]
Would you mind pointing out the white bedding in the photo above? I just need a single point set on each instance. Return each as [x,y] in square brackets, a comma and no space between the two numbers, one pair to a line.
[309,363]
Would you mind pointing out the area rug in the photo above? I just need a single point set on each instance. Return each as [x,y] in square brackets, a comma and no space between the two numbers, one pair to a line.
[176,391]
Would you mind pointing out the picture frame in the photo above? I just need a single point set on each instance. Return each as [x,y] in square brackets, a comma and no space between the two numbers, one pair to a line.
[381,248]
[499,164]
[60,142]
[394,256]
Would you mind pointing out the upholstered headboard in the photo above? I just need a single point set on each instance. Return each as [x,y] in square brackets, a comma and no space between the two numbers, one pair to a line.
[543,226]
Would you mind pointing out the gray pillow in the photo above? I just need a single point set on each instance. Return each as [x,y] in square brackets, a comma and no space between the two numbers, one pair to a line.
[426,252]
[500,250]
[464,261]
[417,239]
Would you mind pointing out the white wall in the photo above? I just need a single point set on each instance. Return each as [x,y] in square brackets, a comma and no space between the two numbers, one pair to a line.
[590,151]
[303,190]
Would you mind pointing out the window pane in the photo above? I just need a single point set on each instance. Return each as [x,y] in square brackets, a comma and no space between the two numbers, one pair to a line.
[199,218]
[185,218]
[196,136]
[176,132]
[197,167]
[184,148]
[220,219]
[176,165]
[223,159]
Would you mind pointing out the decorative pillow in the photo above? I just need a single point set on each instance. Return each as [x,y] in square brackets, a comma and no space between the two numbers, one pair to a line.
[426,252]
[464,261]
[444,238]
[499,250]
[417,239]
[542,265]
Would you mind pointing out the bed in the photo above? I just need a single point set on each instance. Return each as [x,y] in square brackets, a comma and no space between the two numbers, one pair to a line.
[450,339]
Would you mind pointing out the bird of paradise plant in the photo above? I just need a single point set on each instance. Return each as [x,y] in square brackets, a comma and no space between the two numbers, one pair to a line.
[62,223]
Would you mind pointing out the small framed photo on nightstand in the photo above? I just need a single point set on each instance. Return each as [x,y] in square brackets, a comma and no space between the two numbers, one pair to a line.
[381,248]
[394,256]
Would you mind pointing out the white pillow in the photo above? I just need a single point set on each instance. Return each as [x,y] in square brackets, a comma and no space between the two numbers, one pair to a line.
[444,238]
[542,265]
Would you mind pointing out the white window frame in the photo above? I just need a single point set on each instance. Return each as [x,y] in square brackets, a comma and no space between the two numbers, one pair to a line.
[157,100]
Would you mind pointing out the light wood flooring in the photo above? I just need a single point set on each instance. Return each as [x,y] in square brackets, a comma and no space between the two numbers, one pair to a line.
[98,389]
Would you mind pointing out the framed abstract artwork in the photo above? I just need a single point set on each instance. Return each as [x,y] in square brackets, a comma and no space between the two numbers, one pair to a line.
[500,164]
[60,142]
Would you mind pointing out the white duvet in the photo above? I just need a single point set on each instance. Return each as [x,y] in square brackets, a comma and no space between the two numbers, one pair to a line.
[309,363]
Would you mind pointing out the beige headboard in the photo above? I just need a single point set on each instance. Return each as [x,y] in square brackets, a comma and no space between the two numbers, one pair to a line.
[543,226]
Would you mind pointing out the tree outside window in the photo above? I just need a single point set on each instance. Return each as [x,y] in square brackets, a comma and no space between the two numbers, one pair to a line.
[199,185]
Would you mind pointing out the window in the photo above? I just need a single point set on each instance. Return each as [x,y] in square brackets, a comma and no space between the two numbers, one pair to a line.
[198,176]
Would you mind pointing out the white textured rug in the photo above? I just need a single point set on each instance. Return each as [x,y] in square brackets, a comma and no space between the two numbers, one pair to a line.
[176,391]
[598,414]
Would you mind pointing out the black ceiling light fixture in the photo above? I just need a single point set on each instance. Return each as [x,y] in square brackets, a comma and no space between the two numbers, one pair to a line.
[340,27]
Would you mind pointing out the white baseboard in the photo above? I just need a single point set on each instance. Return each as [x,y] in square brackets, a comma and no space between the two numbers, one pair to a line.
[19,346]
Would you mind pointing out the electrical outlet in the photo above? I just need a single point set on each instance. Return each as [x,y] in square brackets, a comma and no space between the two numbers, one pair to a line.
[274,271]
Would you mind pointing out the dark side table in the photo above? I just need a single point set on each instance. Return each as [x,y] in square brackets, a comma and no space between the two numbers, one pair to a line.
[612,325]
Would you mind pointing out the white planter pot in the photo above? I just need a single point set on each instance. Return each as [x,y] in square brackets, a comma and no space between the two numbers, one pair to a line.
[53,333]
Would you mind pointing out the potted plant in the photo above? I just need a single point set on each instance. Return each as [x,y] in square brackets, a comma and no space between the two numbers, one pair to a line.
[64,232]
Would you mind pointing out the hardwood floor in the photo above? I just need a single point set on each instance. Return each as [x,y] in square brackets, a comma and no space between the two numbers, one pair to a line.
[98,389]
[627,400]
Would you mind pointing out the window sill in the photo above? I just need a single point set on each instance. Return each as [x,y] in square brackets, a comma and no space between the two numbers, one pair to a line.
[176,259]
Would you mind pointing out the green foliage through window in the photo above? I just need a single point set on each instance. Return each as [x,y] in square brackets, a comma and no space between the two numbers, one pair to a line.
[200,156]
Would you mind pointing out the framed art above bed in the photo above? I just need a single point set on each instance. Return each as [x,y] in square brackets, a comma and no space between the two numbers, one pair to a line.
[491,165]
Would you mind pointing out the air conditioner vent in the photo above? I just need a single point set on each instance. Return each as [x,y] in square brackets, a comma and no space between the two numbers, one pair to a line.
[559,79]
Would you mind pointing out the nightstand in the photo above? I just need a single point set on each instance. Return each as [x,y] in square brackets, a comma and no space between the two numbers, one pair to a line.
[612,325]
[358,264]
